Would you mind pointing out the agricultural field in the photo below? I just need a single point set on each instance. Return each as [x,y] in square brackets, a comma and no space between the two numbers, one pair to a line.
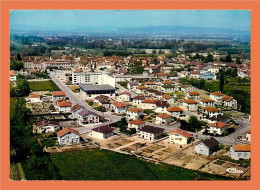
[48,85]
[97,164]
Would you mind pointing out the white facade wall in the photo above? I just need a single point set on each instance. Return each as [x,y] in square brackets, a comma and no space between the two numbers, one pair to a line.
[178,139]
[216,130]
[161,110]
[100,135]
[190,107]
[133,115]
[65,109]
[239,155]
[160,120]
[35,100]
[149,136]
[47,128]
[69,138]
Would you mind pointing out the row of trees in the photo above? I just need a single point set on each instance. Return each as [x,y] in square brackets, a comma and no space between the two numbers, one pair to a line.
[21,89]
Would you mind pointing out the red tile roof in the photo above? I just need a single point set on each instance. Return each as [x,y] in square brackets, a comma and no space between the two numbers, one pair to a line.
[149,101]
[166,82]
[119,104]
[211,109]
[136,110]
[65,131]
[150,83]
[175,109]
[166,96]
[163,115]
[59,93]
[241,148]
[13,73]
[217,94]
[34,96]
[190,101]
[137,122]
[227,98]
[195,93]
[207,100]
[218,124]
[181,132]
[75,107]
[142,87]
[64,103]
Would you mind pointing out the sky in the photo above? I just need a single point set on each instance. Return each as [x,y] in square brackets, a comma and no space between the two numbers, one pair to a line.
[59,19]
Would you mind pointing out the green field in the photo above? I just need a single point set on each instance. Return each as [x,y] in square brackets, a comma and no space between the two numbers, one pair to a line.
[12,105]
[97,164]
[48,85]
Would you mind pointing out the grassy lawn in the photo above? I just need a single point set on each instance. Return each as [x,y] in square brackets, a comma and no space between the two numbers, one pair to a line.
[12,104]
[48,85]
[123,84]
[97,164]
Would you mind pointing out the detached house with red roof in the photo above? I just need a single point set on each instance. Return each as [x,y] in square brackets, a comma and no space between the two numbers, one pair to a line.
[141,89]
[138,100]
[134,113]
[190,105]
[229,101]
[216,96]
[218,128]
[136,124]
[176,112]
[240,151]
[118,107]
[75,110]
[148,104]
[64,106]
[102,132]
[35,98]
[12,75]
[58,95]
[179,136]
[194,95]
[211,111]
[207,102]
[163,118]
[124,97]
[168,88]
[151,85]
[68,136]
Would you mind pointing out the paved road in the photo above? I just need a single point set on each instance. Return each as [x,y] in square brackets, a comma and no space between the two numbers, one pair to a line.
[76,100]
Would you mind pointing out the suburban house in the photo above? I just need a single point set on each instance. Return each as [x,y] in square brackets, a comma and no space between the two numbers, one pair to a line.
[217,96]
[187,88]
[150,84]
[102,132]
[207,102]
[138,100]
[229,101]
[240,151]
[75,110]
[47,126]
[150,132]
[86,117]
[217,128]
[195,74]
[132,85]
[179,136]
[35,98]
[220,118]
[12,75]
[134,113]
[211,111]
[124,97]
[118,107]
[248,135]
[168,88]
[194,95]
[151,92]
[176,112]
[190,105]
[68,136]
[58,95]
[159,95]
[207,146]
[102,101]
[161,106]
[137,124]
[141,89]
[148,104]
[163,118]
[168,98]
[64,106]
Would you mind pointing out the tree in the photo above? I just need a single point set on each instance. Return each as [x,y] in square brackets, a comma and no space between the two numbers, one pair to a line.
[18,57]
[23,88]
[210,58]
[238,61]
[221,80]
[228,58]
[16,65]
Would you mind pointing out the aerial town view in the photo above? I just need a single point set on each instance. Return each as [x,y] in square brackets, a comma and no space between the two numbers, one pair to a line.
[130,95]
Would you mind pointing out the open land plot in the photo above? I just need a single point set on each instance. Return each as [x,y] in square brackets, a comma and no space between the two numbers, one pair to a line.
[47,85]
[97,164]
